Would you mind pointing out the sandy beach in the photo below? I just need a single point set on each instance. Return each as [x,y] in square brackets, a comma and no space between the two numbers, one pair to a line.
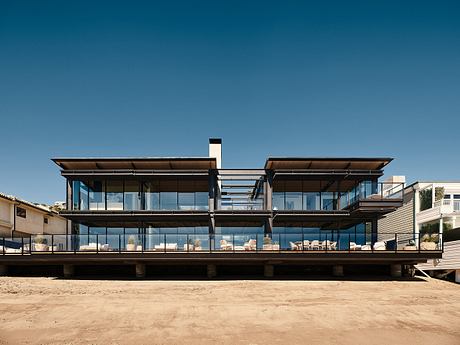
[57,311]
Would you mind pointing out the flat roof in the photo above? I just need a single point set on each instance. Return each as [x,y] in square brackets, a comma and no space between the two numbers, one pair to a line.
[136,163]
[334,163]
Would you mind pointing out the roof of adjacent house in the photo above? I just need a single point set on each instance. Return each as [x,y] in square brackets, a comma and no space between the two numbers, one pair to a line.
[333,163]
[44,208]
[141,163]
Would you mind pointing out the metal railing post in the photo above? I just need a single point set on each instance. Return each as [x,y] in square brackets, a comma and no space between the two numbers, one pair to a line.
[22,245]
[119,243]
[419,242]
[396,242]
[52,243]
[97,244]
[164,244]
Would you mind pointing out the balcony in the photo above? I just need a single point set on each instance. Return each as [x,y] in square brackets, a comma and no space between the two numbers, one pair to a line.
[448,205]
[293,243]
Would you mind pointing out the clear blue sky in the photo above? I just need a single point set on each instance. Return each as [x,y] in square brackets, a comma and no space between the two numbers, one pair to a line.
[282,78]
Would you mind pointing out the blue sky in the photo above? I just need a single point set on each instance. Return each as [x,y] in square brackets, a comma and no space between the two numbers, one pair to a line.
[281,78]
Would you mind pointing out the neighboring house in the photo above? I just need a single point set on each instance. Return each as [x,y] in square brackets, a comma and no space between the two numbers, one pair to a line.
[428,208]
[20,218]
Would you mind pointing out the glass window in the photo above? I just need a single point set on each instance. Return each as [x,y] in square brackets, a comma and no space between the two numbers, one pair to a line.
[75,195]
[114,195]
[151,195]
[328,201]
[132,199]
[21,212]
[115,238]
[278,200]
[83,196]
[202,200]
[186,200]
[293,200]
[311,201]
[168,200]
[96,190]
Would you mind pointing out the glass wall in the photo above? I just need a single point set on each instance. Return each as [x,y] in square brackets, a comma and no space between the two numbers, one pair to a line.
[140,195]
[142,239]
[132,195]
[114,195]
[318,195]
[291,236]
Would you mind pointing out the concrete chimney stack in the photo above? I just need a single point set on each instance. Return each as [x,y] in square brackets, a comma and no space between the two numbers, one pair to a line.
[215,150]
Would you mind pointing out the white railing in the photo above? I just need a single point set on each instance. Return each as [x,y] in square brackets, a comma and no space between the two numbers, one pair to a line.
[455,204]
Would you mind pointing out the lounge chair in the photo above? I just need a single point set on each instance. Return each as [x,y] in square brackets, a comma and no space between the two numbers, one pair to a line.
[354,246]
[167,247]
[380,246]
[293,246]
[94,246]
[306,244]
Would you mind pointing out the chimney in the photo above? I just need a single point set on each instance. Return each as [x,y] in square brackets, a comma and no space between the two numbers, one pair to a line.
[215,150]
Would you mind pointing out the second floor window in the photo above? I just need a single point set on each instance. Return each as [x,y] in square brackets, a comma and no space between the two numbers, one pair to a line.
[21,212]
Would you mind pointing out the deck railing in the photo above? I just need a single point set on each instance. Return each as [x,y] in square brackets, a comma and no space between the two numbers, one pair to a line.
[329,242]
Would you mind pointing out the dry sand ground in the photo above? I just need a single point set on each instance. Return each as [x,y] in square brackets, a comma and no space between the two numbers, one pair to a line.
[55,311]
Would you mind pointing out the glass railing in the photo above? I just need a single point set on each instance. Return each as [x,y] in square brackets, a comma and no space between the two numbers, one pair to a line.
[228,243]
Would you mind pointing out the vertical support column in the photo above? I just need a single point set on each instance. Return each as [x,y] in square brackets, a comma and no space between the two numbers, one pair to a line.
[457,276]
[3,270]
[212,190]
[268,186]
[269,271]
[140,270]
[212,271]
[396,271]
[337,271]
[69,271]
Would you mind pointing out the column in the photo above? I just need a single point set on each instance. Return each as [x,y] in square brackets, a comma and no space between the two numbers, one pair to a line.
[69,271]
[269,271]
[140,270]
[337,271]
[212,270]
[3,270]
[396,271]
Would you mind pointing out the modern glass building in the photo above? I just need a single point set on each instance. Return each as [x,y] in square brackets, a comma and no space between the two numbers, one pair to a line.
[171,210]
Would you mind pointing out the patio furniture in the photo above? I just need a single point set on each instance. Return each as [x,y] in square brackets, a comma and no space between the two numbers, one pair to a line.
[333,245]
[314,245]
[167,247]
[366,247]
[94,246]
[188,247]
[380,245]
[306,244]
[326,245]
[428,246]
[293,246]
[224,245]
[250,245]
[354,246]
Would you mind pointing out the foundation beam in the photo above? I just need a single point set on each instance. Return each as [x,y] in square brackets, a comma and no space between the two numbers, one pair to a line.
[337,271]
[396,271]
[69,271]
[140,270]
[212,271]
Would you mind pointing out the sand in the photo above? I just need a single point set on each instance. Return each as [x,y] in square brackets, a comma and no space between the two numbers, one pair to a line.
[57,311]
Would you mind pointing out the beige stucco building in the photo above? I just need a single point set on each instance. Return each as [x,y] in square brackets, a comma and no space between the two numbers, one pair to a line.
[21,218]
